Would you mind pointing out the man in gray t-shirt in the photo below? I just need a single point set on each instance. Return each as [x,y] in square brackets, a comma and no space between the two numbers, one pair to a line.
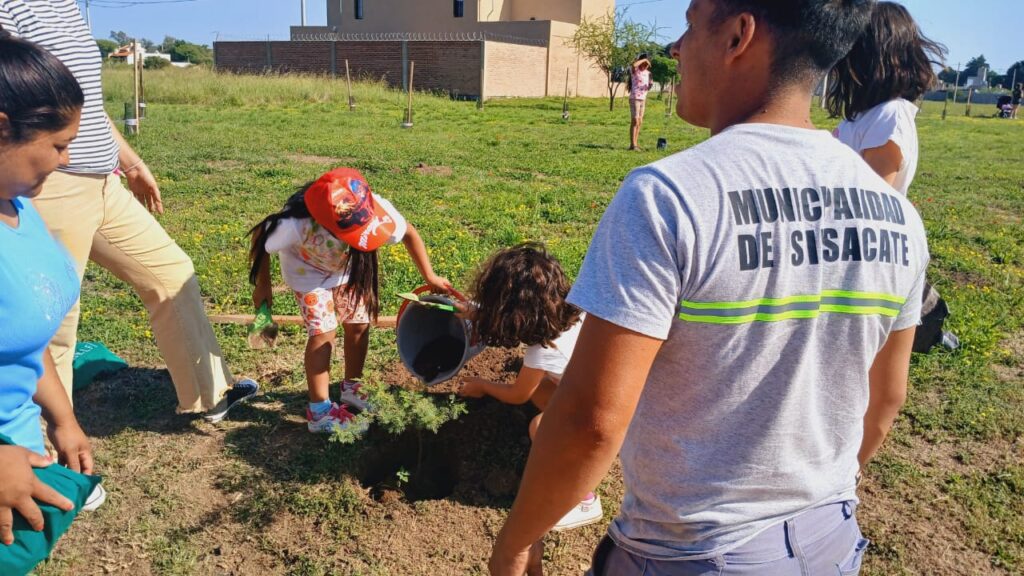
[751,307]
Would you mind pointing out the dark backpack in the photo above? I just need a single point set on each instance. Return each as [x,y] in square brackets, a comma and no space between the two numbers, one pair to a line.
[934,312]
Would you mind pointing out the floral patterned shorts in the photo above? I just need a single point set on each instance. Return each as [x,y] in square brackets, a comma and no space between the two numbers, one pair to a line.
[323,308]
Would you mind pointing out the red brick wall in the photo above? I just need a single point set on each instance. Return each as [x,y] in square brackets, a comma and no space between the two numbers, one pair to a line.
[443,66]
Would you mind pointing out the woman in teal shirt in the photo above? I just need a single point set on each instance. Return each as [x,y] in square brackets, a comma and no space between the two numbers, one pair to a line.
[40,108]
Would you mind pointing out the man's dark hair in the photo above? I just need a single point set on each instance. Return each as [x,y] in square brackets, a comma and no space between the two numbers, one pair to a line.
[810,36]
[892,59]
[37,92]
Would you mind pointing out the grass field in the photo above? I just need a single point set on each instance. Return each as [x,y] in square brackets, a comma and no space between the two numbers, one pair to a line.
[257,494]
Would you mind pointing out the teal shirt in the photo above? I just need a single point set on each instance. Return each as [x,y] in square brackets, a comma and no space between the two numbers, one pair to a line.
[38,285]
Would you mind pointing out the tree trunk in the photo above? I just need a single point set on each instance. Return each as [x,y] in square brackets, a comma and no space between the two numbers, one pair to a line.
[611,92]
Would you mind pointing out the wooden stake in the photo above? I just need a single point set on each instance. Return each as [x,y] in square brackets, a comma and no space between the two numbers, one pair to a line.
[945,107]
[135,80]
[348,80]
[565,98]
[970,95]
[142,88]
[243,319]
[408,112]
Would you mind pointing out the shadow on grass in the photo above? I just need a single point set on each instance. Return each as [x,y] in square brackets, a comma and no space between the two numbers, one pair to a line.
[134,398]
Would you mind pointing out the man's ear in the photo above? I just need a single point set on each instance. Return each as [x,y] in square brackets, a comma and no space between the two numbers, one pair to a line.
[6,133]
[741,34]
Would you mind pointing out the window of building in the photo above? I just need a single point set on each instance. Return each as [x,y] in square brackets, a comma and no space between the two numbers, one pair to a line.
[359,9]
[460,8]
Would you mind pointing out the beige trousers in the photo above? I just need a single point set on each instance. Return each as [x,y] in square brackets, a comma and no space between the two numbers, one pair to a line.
[96,218]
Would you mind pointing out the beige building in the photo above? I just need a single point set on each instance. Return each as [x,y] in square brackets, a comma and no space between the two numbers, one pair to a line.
[523,42]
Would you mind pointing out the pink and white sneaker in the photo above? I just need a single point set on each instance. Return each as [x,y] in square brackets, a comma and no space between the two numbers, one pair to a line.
[337,418]
[352,395]
[586,512]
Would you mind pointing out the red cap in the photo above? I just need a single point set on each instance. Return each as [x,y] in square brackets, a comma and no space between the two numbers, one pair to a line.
[341,201]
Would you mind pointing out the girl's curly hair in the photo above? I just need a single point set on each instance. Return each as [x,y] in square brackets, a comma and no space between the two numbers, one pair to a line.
[520,295]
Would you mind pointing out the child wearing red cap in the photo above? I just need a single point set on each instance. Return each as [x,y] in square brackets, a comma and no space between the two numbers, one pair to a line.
[326,237]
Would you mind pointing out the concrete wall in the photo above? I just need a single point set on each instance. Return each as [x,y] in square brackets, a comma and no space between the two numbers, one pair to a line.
[515,70]
[585,79]
[453,67]
[494,10]
[512,69]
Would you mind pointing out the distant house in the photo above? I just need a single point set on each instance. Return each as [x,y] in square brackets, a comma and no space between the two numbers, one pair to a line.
[979,81]
[481,48]
[125,55]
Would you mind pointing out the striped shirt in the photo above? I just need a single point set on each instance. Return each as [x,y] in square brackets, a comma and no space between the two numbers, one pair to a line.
[57,25]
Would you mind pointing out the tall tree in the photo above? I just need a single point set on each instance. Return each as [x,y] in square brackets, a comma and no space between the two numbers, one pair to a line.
[106,47]
[122,38]
[1008,78]
[611,42]
[973,65]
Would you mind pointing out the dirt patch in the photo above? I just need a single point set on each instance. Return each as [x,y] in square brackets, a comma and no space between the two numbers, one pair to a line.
[314,159]
[961,278]
[1013,370]
[427,170]
[496,364]
[919,524]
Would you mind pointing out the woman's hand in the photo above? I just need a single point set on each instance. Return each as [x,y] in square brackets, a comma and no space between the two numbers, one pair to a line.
[143,185]
[19,486]
[73,448]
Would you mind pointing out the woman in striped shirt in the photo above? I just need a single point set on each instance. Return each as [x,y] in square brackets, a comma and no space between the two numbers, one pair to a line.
[88,208]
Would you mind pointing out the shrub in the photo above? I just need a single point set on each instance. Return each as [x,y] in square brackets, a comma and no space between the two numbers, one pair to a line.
[155,63]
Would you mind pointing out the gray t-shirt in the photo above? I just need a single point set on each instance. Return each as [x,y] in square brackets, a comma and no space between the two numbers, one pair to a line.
[775,263]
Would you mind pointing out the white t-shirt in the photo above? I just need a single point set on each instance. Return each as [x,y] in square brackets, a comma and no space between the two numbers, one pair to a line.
[553,360]
[311,257]
[892,120]
[774,262]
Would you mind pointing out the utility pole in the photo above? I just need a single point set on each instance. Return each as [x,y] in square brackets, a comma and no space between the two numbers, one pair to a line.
[88,19]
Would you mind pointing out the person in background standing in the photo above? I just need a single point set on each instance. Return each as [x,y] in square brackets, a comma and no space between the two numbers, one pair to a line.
[639,84]
[874,90]
[1018,93]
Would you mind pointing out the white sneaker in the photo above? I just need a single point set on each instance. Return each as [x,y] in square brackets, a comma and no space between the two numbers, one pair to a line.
[351,395]
[96,499]
[337,418]
[586,512]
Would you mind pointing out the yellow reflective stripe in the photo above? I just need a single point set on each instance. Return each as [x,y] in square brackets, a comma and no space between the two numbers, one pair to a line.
[790,315]
[793,300]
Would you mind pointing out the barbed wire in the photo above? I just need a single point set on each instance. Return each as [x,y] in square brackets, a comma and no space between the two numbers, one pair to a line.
[474,36]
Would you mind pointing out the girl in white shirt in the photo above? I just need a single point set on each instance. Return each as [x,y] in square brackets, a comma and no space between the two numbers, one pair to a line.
[874,88]
[326,237]
[519,298]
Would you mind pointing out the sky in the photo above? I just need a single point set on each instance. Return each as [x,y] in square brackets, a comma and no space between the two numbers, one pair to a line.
[989,27]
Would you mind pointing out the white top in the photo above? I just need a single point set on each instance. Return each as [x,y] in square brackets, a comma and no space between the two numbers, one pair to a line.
[311,257]
[553,360]
[889,121]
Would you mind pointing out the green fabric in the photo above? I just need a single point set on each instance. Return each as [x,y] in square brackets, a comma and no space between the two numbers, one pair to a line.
[91,360]
[31,547]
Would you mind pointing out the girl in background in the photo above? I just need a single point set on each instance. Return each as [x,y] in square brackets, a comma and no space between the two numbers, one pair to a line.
[874,89]
[519,298]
